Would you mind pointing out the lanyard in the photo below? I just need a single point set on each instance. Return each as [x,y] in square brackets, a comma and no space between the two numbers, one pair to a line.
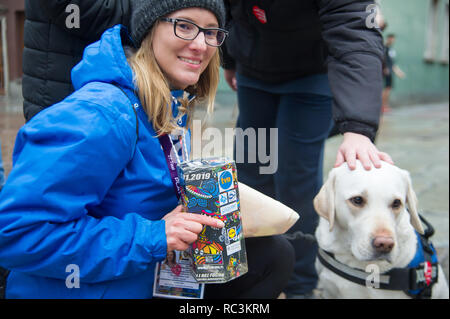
[167,146]
[164,140]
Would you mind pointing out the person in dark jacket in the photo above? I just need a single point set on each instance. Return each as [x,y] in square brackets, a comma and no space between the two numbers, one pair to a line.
[296,66]
[55,35]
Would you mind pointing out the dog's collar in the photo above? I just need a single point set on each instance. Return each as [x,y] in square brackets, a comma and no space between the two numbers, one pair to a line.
[357,276]
[416,280]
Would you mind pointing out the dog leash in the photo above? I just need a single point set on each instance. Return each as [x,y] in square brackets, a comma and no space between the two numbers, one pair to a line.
[300,235]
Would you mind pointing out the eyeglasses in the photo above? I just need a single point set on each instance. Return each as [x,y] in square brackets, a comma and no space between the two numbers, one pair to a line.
[188,30]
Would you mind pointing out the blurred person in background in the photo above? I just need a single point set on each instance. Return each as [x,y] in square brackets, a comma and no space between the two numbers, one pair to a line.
[296,66]
[389,70]
[55,35]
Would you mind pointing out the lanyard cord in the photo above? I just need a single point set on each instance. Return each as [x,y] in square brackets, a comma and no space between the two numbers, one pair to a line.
[182,141]
[183,146]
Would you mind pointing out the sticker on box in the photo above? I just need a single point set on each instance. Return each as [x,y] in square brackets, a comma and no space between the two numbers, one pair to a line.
[233,248]
[225,179]
[228,208]
[231,196]
[210,187]
[223,199]
[232,234]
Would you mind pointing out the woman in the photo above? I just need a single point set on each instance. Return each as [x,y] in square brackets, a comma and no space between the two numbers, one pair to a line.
[85,211]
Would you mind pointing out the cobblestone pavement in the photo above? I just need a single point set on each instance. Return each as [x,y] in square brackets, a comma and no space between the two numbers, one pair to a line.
[416,137]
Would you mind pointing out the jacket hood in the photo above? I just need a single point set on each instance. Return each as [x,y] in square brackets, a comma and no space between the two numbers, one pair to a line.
[105,61]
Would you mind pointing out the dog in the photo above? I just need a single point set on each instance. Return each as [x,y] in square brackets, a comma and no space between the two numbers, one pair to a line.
[368,223]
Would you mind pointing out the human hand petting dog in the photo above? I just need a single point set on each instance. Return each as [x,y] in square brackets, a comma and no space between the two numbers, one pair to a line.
[357,146]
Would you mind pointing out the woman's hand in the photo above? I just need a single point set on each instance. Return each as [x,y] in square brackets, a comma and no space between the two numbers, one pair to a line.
[357,146]
[183,228]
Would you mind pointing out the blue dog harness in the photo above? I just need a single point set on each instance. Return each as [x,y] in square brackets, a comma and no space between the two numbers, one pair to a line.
[424,267]
[416,280]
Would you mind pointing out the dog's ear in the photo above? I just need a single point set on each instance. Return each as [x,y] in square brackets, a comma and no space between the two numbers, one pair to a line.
[324,201]
[411,202]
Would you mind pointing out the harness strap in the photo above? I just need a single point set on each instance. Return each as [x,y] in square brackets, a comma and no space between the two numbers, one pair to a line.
[396,279]
[425,275]
[416,282]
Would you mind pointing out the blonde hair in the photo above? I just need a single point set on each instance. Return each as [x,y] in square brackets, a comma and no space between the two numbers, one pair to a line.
[154,90]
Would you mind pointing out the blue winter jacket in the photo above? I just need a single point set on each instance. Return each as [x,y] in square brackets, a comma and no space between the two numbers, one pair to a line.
[81,196]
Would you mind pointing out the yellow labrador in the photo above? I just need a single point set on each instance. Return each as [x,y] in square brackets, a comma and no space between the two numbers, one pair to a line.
[366,226]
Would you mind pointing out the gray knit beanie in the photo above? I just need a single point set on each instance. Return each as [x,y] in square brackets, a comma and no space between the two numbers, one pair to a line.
[144,13]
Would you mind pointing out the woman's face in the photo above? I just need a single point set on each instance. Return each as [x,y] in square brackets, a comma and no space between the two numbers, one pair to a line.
[183,61]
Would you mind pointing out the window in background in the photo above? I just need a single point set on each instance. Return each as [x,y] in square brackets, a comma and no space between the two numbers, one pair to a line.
[445,34]
[437,34]
[432,30]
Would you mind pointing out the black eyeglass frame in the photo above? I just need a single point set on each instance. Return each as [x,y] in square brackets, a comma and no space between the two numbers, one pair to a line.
[200,29]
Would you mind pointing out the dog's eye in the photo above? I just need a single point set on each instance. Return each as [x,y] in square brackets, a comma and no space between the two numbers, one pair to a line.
[357,200]
[397,203]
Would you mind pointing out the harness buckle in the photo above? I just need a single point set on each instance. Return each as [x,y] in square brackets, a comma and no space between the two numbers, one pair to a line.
[423,276]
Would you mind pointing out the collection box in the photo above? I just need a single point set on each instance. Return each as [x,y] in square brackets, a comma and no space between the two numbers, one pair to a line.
[210,187]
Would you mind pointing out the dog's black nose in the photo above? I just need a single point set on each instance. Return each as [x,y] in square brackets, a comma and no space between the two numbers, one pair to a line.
[383,244]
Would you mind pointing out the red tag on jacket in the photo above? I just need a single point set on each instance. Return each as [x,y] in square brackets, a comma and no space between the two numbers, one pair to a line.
[260,14]
[428,272]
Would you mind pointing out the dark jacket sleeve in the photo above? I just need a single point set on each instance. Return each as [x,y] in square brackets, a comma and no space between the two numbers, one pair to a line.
[354,64]
[95,15]
[227,61]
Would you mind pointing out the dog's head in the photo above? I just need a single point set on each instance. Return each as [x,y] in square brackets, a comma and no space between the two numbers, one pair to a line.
[373,209]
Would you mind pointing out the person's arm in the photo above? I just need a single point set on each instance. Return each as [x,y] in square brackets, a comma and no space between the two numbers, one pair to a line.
[63,168]
[398,72]
[355,74]
[95,15]
[228,63]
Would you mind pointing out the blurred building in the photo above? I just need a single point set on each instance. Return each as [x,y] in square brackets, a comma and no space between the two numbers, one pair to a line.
[422,38]
[12,19]
[421,29]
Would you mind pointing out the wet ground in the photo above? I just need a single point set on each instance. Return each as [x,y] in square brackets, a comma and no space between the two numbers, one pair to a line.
[416,137]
